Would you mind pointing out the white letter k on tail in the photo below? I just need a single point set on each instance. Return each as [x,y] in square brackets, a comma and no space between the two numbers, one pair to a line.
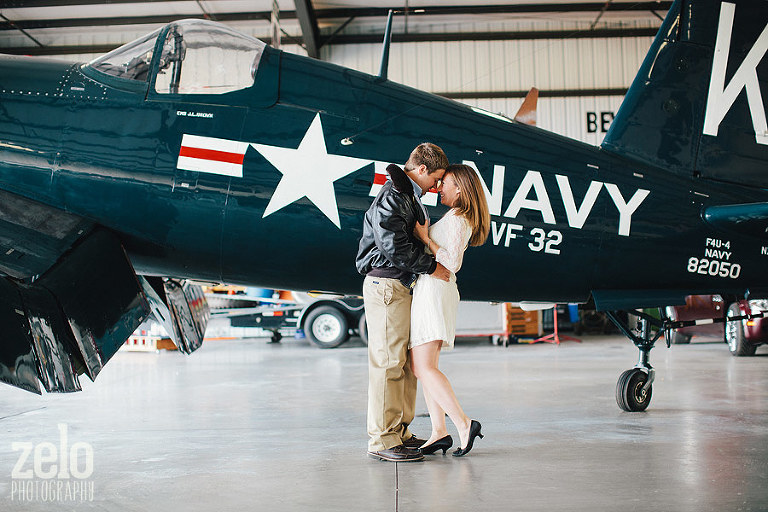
[721,98]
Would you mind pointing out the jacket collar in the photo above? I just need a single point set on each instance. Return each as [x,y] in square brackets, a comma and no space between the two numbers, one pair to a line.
[405,185]
[400,179]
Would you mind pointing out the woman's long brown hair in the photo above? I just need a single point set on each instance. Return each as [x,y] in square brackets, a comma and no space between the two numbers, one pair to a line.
[471,203]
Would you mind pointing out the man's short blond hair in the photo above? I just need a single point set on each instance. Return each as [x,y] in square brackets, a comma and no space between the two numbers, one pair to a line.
[427,154]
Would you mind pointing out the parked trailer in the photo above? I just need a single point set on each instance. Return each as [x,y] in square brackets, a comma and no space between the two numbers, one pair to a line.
[327,321]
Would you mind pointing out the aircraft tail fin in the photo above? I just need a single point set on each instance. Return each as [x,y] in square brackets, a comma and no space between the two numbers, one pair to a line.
[696,106]
[526,114]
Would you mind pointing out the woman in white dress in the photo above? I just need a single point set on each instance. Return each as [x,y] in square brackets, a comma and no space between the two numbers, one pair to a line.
[433,310]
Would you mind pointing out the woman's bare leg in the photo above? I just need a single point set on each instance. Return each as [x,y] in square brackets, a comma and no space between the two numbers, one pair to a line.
[437,388]
[436,413]
[436,416]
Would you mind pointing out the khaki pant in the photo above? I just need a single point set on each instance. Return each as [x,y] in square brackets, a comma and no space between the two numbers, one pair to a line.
[391,383]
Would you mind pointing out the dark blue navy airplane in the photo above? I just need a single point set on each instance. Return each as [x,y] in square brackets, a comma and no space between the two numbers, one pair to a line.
[200,153]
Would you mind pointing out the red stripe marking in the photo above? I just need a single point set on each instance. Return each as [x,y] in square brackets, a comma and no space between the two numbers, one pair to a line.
[380,179]
[212,154]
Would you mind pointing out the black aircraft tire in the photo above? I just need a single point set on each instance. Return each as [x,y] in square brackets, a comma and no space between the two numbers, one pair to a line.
[629,394]
[734,335]
[326,327]
[362,329]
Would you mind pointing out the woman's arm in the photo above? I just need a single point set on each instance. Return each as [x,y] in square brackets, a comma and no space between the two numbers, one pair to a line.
[452,253]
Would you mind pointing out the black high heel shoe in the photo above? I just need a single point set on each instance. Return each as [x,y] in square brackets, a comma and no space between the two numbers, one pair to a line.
[441,444]
[474,431]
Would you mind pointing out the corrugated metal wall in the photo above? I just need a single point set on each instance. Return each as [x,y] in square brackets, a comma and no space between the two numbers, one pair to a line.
[514,66]
[476,68]
[584,118]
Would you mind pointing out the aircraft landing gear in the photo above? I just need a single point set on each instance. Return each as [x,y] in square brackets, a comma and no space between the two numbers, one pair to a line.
[634,389]
[635,386]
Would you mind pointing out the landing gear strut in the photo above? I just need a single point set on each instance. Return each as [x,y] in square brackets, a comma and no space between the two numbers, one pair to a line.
[635,386]
[634,389]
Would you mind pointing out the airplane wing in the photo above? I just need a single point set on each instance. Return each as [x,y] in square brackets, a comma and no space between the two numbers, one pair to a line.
[69,298]
[34,236]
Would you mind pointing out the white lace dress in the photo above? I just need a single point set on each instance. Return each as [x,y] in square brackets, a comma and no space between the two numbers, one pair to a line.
[433,310]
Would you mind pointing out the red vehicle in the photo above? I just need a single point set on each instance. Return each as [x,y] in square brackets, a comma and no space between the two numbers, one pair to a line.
[742,336]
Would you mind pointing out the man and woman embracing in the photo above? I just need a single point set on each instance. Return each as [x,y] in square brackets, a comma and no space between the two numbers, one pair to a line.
[411,298]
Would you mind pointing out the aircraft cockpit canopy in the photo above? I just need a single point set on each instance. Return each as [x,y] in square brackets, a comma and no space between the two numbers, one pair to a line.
[130,61]
[197,57]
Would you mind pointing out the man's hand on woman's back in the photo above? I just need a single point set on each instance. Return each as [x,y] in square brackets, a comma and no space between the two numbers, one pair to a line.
[441,273]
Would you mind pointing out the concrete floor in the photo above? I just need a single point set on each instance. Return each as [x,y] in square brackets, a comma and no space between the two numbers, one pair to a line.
[245,425]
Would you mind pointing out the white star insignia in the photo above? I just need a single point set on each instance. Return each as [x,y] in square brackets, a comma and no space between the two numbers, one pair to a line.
[308,171]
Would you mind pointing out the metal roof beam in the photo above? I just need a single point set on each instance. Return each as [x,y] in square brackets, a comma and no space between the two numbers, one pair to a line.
[131,20]
[346,12]
[309,29]
[318,13]
[49,51]
[497,36]
[376,39]
[12,25]
[496,9]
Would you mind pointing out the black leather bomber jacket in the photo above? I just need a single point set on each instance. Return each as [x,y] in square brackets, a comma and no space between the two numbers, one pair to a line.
[388,246]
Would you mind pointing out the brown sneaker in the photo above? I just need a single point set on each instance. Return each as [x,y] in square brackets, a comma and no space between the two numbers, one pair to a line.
[399,453]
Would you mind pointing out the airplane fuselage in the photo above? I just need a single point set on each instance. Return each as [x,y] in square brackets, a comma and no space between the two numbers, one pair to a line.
[199,152]
[561,210]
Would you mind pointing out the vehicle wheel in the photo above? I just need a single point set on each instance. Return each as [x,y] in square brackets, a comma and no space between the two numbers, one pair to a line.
[734,335]
[362,329]
[629,391]
[679,338]
[326,327]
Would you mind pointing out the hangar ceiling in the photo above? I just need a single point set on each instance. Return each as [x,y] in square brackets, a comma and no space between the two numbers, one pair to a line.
[53,27]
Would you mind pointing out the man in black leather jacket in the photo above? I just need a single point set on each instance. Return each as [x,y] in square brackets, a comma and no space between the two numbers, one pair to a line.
[391,258]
